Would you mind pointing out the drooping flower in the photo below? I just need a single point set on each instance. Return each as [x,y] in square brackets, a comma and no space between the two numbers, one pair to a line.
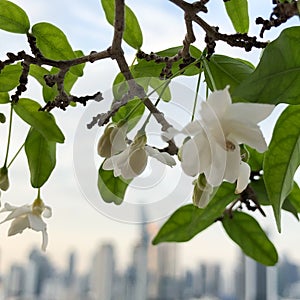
[215,138]
[112,141]
[28,216]
[133,160]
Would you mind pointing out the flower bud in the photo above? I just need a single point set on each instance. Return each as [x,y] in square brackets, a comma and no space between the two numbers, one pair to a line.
[202,191]
[4,181]
[104,144]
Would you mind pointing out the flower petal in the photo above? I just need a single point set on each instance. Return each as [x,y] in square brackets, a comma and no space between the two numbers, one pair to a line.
[136,163]
[36,222]
[219,101]
[18,225]
[243,178]
[163,157]
[193,128]
[249,135]
[250,112]
[16,211]
[47,213]
[45,240]
[233,161]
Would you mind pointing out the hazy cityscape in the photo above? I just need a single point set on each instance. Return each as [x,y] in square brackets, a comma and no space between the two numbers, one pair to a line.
[152,275]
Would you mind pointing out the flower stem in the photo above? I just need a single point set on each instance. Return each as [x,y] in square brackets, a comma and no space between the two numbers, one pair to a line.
[207,69]
[15,156]
[196,96]
[9,134]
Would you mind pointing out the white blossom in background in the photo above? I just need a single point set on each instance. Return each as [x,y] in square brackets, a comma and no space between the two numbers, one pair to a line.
[28,216]
[213,148]
[112,141]
[132,161]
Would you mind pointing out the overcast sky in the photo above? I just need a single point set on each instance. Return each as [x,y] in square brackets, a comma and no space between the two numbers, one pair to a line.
[76,224]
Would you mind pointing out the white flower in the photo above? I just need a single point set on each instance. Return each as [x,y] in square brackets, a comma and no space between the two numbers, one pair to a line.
[28,216]
[133,160]
[113,140]
[214,147]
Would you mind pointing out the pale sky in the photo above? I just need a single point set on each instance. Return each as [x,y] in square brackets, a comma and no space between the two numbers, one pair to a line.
[75,223]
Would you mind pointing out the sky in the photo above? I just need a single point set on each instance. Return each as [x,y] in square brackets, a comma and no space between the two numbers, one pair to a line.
[79,222]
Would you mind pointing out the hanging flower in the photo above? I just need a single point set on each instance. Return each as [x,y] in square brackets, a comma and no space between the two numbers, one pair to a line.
[214,147]
[133,160]
[28,216]
[112,141]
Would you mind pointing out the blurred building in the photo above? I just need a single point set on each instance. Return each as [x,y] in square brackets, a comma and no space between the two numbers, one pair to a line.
[102,273]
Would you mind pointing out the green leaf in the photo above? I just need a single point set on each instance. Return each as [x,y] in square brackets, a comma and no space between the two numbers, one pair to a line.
[151,69]
[42,121]
[41,156]
[282,159]
[4,97]
[130,113]
[275,82]
[247,233]
[112,189]
[226,70]
[290,203]
[54,44]
[9,77]
[13,18]
[161,88]
[237,11]
[255,160]
[132,32]
[190,220]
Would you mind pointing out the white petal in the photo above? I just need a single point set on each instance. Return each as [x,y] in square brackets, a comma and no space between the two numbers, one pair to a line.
[219,101]
[192,155]
[36,222]
[17,211]
[204,198]
[163,157]
[169,134]
[243,179]
[233,161]
[250,112]
[249,135]
[18,225]
[45,240]
[118,139]
[47,213]
[192,128]
[136,163]
[215,171]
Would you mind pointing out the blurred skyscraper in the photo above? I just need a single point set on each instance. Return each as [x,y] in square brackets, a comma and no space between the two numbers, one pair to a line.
[103,273]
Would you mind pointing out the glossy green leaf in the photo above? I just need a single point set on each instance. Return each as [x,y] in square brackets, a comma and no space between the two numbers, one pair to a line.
[225,71]
[13,18]
[189,220]
[54,44]
[255,160]
[282,158]
[151,69]
[41,156]
[277,76]
[9,77]
[42,121]
[132,32]
[4,97]
[130,113]
[294,197]
[237,11]
[247,233]
[112,189]
[289,204]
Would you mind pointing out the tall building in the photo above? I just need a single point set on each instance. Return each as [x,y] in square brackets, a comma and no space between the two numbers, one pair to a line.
[102,273]
[16,282]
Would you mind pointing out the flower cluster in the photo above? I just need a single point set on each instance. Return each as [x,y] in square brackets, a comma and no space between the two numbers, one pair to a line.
[28,216]
[128,160]
[213,148]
